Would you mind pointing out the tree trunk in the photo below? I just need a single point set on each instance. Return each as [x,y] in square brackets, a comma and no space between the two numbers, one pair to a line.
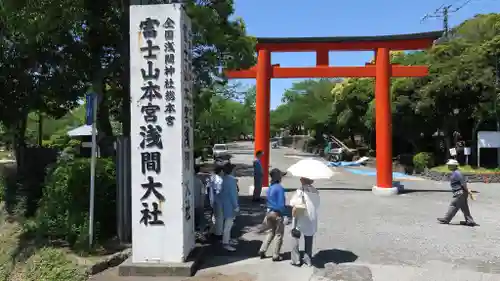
[98,75]
[104,128]
[125,75]
[353,139]
[19,141]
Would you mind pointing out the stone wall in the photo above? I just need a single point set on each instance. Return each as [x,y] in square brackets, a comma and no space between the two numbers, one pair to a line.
[479,177]
[302,143]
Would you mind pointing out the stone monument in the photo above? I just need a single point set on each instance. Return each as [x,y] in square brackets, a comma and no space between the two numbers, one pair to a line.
[162,167]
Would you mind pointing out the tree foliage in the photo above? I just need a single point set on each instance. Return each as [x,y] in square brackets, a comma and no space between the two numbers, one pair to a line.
[54,51]
[458,95]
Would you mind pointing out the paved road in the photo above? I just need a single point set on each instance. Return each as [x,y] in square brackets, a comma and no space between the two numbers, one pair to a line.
[370,238]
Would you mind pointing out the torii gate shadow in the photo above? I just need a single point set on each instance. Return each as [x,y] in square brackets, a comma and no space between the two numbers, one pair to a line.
[399,185]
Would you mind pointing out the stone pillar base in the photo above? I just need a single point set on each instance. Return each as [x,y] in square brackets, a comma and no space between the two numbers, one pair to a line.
[183,269]
[385,191]
[262,193]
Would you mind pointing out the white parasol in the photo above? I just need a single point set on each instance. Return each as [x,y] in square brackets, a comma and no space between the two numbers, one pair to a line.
[311,169]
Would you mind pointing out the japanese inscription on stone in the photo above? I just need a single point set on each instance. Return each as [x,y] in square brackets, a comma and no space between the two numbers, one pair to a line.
[151,144]
[169,71]
[161,147]
[187,122]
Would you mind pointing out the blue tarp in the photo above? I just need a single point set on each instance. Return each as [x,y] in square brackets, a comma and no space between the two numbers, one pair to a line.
[372,172]
[343,164]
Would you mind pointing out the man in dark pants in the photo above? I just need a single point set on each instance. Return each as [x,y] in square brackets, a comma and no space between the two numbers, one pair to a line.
[258,175]
[460,196]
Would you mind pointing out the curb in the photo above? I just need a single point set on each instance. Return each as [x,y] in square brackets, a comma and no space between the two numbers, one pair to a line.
[471,178]
[110,261]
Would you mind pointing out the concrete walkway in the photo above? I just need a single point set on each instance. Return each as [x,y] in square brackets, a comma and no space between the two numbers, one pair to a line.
[365,238]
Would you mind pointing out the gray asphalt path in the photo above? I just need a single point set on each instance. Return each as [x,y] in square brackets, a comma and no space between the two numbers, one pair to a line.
[400,233]
[362,237]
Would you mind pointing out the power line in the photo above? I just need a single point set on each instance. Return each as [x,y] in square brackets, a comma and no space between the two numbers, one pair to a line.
[443,12]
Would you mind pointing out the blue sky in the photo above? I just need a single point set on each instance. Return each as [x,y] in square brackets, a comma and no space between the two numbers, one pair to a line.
[294,18]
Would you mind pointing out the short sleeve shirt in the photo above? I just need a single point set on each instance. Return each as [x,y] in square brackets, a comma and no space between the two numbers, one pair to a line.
[457,180]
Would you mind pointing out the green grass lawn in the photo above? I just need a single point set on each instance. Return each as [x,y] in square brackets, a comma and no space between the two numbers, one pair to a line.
[23,259]
[466,169]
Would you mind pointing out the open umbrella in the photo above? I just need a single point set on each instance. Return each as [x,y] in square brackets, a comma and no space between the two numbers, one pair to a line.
[311,169]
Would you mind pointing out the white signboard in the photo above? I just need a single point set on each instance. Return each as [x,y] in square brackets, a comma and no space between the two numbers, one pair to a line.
[488,139]
[467,150]
[162,216]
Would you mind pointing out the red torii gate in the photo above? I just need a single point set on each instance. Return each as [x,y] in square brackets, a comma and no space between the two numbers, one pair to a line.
[382,70]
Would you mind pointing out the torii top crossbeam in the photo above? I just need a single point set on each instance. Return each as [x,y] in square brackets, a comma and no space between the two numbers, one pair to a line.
[323,45]
[382,70]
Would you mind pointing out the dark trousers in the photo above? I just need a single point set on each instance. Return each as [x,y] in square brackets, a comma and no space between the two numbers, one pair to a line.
[460,202]
[257,187]
[199,219]
[308,245]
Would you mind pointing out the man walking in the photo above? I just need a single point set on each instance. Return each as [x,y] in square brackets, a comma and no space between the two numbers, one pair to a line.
[461,194]
[274,216]
[258,174]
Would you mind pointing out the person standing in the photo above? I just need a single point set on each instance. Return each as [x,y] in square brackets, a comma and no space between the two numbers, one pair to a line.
[305,204]
[275,216]
[230,206]
[214,193]
[461,194]
[258,174]
[199,200]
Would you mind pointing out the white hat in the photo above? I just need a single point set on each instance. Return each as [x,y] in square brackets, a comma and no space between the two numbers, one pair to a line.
[452,162]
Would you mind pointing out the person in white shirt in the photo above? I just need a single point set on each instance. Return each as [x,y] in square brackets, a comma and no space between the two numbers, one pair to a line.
[305,204]
[199,200]
[214,190]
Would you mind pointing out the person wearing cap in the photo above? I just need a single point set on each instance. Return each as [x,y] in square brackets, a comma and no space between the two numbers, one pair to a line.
[274,218]
[461,194]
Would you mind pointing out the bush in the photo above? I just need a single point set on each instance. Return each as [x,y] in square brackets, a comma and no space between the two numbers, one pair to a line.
[423,160]
[64,207]
[59,142]
[52,264]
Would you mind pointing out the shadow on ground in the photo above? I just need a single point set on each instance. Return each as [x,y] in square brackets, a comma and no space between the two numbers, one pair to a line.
[402,191]
[323,257]
[303,155]
[336,256]
[242,152]
[240,170]
[243,170]
[249,220]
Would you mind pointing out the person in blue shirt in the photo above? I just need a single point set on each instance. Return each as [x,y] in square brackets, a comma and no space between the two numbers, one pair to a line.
[258,174]
[461,193]
[275,215]
[230,206]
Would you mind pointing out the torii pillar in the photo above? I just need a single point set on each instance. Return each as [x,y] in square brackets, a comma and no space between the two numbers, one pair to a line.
[262,110]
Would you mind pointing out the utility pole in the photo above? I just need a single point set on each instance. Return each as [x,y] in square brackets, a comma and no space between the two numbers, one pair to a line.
[443,12]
